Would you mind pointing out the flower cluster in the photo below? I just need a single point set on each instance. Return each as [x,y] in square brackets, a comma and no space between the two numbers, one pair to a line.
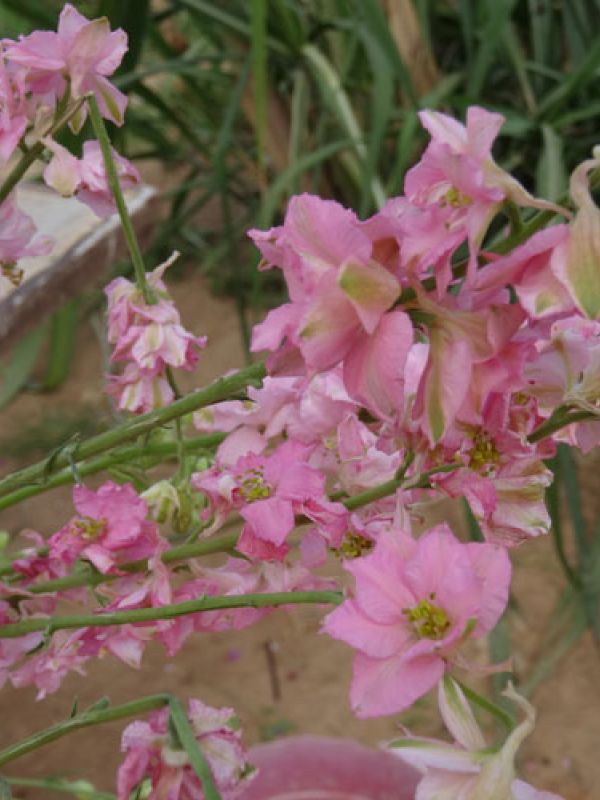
[398,375]
[45,78]
[150,340]
[151,755]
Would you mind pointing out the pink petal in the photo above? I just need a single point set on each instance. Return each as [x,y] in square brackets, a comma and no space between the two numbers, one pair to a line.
[389,685]
[371,375]
[271,519]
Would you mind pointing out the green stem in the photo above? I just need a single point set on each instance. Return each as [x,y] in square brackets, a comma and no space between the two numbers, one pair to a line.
[187,739]
[115,188]
[88,577]
[420,481]
[221,389]
[68,787]
[560,418]
[162,450]
[50,625]
[83,720]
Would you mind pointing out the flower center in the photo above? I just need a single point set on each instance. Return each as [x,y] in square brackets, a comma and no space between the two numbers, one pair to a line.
[87,527]
[455,198]
[484,455]
[428,621]
[253,485]
[354,545]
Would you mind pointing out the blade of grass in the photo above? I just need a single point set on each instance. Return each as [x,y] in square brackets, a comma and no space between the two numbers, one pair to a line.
[298,120]
[496,18]
[61,345]
[370,16]
[382,96]
[334,95]
[551,174]
[564,629]
[258,50]
[17,371]
[575,81]
[541,17]
[285,180]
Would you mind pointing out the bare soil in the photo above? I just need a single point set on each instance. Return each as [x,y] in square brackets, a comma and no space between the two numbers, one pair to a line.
[307,692]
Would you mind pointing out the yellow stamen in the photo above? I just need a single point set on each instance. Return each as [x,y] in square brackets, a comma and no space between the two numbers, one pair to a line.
[87,527]
[253,486]
[428,621]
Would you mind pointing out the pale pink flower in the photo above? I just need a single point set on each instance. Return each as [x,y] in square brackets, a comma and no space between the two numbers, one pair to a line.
[86,177]
[17,230]
[45,669]
[138,391]
[457,173]
[566,371]
[12,651]
[460,343]
[468,769]
[414,604]
[79,56]
[13,112]
[576,261]
[528,269]
[149,337]
[150,753]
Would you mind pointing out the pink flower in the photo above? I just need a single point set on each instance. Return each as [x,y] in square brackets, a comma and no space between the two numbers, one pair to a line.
[468,769]
[13,113]
[17,229]
[342,297]
[576,262]
[458,174]
[461,343]
[138,391]
[151,753]
[269,491]
[414,604]
[79,55]
[86,177]
[150,337]
[46,669]
[528,269]
[111,528]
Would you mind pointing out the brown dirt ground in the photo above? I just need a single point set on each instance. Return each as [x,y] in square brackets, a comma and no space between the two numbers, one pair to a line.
[313,671]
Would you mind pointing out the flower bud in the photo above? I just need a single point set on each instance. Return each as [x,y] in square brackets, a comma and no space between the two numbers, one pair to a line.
[163,501]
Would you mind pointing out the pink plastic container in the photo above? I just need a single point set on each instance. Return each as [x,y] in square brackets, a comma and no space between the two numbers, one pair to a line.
[318,768]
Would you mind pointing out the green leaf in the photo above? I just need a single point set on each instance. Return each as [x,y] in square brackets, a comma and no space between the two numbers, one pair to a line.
[61,345]
[551,179]
[497,16]
[286,179]
[258,49]
[15,374]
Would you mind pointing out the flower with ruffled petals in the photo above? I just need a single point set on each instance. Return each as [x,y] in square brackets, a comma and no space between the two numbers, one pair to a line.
[86,177]
[413,605]
[111,527]
[79,56]
[151,753]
